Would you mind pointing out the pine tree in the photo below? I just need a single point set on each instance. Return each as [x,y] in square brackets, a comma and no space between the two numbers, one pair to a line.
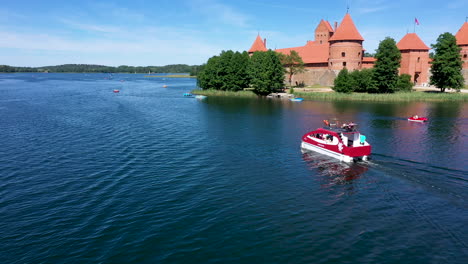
[447,64]
[386,67]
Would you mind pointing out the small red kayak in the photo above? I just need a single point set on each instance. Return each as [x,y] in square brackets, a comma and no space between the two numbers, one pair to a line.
[116,91]
[417,119]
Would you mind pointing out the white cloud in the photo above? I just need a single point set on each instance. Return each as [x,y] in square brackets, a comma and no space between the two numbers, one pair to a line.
[143,46]
[222,13]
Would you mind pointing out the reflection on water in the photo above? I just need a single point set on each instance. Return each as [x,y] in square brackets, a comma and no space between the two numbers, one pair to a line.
[332,173]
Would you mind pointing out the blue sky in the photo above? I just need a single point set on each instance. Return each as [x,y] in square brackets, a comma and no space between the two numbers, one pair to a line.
[162,32]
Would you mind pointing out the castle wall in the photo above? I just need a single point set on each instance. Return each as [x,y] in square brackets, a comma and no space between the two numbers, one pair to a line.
[464,56]
[313,76]
[415,63]
[465,75]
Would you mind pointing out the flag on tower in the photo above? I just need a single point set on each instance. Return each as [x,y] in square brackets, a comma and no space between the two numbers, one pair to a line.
[416,21]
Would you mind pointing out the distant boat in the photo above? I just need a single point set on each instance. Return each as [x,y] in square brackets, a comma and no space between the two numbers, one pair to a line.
[164,86]
[299,99]
[417,119]
[199,96]
[116,90]
[188,95]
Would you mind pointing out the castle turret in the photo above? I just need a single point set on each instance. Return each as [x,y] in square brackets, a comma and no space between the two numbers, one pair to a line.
[462,42]
[346,46]
[414,58]
[258,45]
[323,32]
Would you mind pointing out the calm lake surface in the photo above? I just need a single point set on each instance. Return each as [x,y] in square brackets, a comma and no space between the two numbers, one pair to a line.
[148,176]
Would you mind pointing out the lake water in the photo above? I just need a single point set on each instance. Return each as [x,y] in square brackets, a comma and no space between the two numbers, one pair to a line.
[148,176]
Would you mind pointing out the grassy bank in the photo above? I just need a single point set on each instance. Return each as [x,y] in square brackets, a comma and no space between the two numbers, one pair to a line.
[224,93]
[332,96]
[396,97]
[170,76]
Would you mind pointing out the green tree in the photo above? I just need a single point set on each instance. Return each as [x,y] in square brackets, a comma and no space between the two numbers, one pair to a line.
[404,83]
[293,63]
[362,81]
[447,64]
[208,77]
[386,67]
[240,64]
[266,72]
[342,83]
[227,72]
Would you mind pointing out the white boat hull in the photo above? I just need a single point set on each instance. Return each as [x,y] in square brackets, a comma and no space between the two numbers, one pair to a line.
[339,156]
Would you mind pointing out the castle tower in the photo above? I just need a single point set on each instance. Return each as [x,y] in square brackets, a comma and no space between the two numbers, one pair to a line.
[346,46]
[258,45]
[414,58]
[323,32]
[462,42]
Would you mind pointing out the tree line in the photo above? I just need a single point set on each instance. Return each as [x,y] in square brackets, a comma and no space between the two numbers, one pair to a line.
[90,68]
[262,72]
[446,67]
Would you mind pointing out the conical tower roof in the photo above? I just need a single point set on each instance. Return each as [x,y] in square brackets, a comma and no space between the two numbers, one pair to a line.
[324,25]
[411,41]
[462,35]
[346,30]
[258,45]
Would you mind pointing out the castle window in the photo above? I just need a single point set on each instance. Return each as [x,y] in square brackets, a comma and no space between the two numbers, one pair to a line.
[418,58]
[344,63]
[343,54]
[359,54]
[465,56]
[320,42]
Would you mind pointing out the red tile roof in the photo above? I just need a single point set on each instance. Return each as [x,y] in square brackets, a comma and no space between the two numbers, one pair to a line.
[325,24]
[312,52]
[329,27]
[462,35]
[258,45]
[369,59]
[346,30]
[411,41]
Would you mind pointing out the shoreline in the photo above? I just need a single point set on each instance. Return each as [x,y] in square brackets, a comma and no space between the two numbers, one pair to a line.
[326,94]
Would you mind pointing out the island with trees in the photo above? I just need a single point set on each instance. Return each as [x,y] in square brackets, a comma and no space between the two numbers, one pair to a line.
[264,72]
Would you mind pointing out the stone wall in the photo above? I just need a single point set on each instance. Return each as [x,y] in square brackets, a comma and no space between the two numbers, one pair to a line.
[323,77]
[326,77]
[465,75]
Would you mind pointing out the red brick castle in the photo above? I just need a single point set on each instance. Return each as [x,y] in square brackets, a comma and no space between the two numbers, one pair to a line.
[336,48]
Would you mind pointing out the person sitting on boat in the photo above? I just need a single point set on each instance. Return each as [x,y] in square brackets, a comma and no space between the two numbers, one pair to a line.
[326,122]
[415,117]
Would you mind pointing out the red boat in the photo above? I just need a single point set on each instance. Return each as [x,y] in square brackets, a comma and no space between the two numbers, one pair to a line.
[417,119]
[342,142]
[116,91]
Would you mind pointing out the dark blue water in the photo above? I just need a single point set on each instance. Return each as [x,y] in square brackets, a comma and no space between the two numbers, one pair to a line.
[148,176]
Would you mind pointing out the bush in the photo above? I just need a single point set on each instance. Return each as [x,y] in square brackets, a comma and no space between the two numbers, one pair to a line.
[362,81]
[404,83]
[342,83]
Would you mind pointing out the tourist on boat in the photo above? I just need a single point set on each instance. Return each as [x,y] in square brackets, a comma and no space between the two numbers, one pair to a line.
[415,117]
